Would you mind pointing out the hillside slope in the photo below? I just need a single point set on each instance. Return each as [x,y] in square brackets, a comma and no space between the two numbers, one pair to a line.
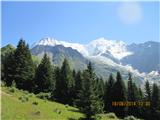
[14,109]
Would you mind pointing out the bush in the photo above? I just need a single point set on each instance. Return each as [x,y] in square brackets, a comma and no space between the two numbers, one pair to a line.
[25,92]
[23,98]
[37,113]
[12,89]
[57,111]
[3,84]
[66,106]
[97,117]
[111,115]
[130,118]
[31,95]
[35,103]
[44,96]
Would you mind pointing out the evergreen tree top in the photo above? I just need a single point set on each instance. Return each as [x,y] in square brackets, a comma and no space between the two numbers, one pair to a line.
[111,79]
[119,77]
[130,76]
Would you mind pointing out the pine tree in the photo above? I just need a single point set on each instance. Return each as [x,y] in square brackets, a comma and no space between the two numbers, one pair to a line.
[134,95]
[131,96]
[65,84]
[100,88]
[9,69]
[23,67]
[78,87]
[131,92]
[119,95]
[108,95]
[56,93]
[147,97]
[6,53]
[44,76]
[78,81]
[155,97]
[90,103]
[140,94]
[72,91]
[74,74]
[147,91]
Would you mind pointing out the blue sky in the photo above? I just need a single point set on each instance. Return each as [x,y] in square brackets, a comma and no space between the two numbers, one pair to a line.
[80,22]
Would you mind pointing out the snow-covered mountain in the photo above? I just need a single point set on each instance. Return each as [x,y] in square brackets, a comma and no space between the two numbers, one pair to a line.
[107,55]
[102,46]
[112,50]
[96,47]
[145,58]
[53,42]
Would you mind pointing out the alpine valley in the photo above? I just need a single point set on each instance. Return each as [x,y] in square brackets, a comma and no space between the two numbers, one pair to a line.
[107,56]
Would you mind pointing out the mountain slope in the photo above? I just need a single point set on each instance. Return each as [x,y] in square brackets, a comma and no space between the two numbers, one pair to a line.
[101,46]
[15,109]
[58,53]
[108,56]
[145,58]
[103,65]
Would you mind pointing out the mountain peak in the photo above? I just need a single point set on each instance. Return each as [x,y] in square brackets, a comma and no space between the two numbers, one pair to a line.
[47,42]
[95,47]
[116,47]
[103,40]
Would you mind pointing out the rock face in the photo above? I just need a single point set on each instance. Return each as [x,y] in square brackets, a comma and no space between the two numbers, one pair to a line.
[146,57]
[58,53]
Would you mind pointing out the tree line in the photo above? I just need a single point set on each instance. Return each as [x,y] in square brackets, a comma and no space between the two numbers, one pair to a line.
[82,89]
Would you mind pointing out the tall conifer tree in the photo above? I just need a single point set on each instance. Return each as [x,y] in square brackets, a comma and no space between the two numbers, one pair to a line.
[65,84]
[108,95]
[132,96]
[147,91]
[155,97]
[119,91]
[90,103]
[9,69]
[78,87]
[23,67]
[44,76]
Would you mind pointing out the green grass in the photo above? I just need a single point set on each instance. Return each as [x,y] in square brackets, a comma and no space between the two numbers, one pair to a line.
[14,109]
[14,106]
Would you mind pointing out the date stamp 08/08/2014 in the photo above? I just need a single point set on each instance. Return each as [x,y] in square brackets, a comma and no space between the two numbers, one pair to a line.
[131,103]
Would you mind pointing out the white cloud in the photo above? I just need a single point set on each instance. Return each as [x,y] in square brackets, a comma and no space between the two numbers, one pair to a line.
[130,12]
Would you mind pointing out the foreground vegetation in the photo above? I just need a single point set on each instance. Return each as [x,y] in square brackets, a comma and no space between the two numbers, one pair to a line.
[82,89]
[22,105]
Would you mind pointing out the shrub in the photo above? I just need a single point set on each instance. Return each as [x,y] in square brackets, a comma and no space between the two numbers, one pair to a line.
[35,103]
[44,96]
[66,106]
[57,111]
[3,84]
[13,84]
[31,95]
[111,115]
[12,89]
[37,113]
[23,98]
[97,117]
[130,118]
[25,92]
